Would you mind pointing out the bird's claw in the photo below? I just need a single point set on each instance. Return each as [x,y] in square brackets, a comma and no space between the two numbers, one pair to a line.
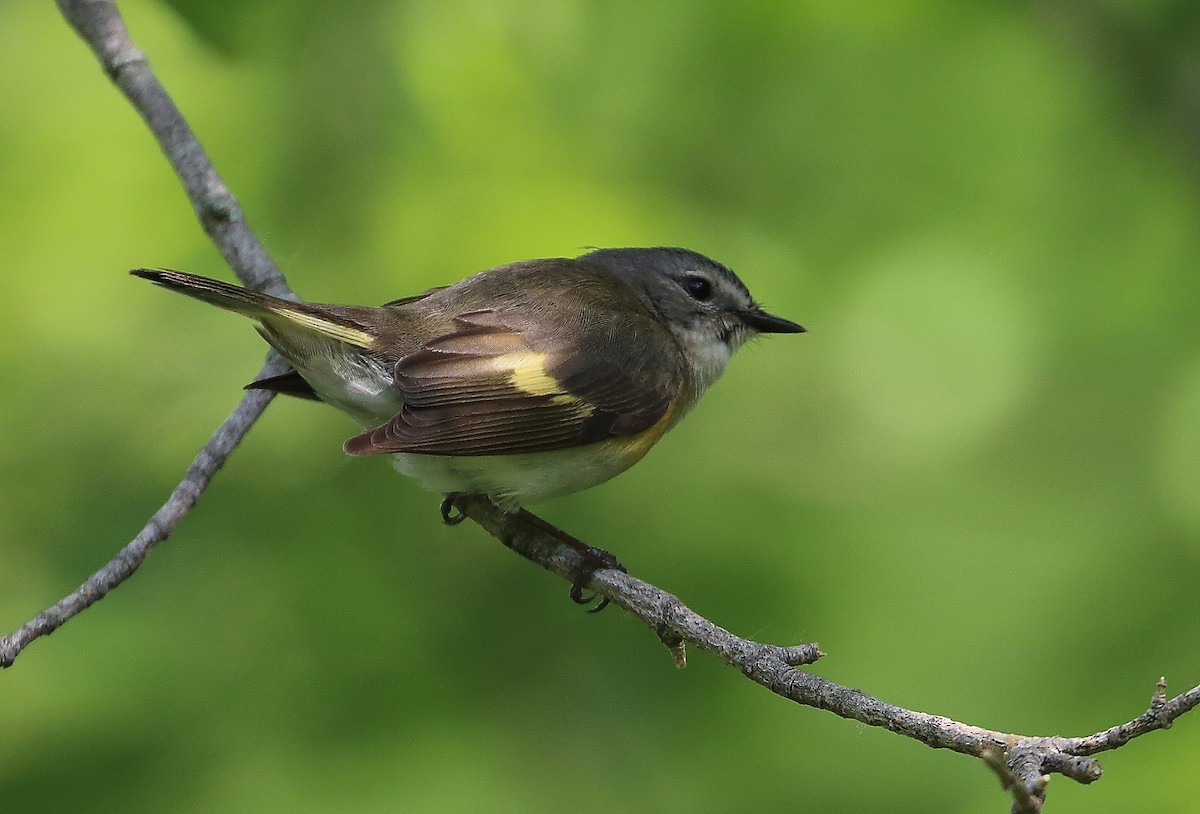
[595,559]
[451,514]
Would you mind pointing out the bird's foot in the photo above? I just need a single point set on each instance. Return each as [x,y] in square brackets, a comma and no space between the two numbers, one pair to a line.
[594,559]
[451,514]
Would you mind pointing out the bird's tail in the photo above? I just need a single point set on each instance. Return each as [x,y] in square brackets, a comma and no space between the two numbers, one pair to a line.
[278,317]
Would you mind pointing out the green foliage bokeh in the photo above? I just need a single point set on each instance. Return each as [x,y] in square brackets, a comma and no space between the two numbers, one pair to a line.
[976,481]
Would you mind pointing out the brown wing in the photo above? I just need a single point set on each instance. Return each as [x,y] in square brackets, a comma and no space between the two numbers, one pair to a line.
[416,297]
[491,388]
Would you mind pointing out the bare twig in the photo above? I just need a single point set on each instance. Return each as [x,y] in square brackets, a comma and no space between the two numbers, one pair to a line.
[1027,796]
[1161,715]
[1023,763]
[101,26]
[157,528]
[1026,760]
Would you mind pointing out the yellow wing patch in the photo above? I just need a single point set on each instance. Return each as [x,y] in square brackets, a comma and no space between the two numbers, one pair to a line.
[527,373]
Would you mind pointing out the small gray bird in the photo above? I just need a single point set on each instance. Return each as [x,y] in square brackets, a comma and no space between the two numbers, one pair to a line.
[522,382]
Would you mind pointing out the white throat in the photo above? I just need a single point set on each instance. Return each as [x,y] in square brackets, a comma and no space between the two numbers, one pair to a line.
[707,354]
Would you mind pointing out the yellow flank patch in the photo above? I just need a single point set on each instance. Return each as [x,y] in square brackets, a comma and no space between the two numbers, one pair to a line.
[636,446]
[325,327]
[527,373]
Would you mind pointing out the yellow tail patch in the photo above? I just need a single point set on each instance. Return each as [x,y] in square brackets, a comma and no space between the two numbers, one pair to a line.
[325,327]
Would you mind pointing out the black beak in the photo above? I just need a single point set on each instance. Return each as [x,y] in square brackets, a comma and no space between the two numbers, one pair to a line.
[767,324]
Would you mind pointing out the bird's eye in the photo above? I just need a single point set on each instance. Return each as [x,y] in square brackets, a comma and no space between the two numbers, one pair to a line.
[697,287]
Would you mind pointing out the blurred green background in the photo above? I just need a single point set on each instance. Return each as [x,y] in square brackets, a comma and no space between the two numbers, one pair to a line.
[976,481]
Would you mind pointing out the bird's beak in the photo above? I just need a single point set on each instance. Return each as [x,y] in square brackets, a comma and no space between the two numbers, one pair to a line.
[763,322]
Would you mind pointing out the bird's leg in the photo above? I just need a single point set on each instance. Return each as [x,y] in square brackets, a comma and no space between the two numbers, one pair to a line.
[594,559]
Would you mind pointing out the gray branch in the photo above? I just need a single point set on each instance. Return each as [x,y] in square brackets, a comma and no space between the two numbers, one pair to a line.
[100,24]
[208,460]
[1023,763]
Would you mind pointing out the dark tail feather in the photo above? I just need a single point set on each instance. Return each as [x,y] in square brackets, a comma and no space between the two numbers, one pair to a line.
[287,384]
[278,315]
[235,298]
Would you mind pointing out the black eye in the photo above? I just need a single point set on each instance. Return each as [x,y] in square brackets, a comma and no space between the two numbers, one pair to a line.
[697,287]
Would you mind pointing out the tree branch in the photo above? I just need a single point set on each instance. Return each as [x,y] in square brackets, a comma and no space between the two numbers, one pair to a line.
[1023,763]
[1025,760]
[100,24]
[208,460]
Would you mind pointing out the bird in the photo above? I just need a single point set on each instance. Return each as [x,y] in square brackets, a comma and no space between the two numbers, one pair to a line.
[523,382]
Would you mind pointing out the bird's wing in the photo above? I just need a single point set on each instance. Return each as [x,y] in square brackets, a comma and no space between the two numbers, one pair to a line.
[501,385]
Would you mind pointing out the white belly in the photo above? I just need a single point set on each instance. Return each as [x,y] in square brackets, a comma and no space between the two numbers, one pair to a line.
[514,480]
[359,387]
